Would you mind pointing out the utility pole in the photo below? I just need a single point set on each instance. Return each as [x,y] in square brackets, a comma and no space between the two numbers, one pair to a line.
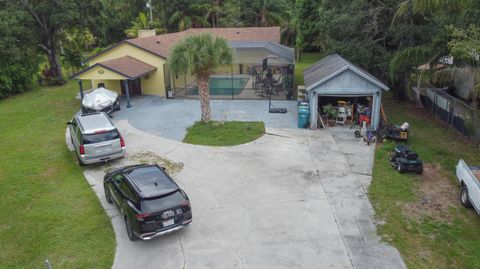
[149,6]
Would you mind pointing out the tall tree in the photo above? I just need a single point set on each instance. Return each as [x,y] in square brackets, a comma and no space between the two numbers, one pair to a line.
[465,48]
[75,43]
[115,17]
[230,14]
[51,17]
[183,14]
[200,54]
[419,35]
[18,57]
[264,12]
[213,10]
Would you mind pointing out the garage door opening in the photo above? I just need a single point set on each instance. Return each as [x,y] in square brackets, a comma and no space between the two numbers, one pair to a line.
[344,111]
[334,79]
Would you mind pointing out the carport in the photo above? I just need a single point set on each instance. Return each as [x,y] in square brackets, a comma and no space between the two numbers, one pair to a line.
[335,77]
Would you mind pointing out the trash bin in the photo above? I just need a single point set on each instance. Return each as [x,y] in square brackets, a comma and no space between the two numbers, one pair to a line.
[303,117]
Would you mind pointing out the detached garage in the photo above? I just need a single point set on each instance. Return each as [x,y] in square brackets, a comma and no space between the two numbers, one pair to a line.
[334,80]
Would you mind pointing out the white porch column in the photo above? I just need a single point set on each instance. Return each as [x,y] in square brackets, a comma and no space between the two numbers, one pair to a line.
[313,110]
[376,103]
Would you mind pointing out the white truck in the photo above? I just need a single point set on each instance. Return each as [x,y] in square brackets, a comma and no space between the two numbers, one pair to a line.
[469,178]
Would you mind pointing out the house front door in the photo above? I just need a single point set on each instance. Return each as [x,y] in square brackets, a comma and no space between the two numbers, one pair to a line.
[134,87]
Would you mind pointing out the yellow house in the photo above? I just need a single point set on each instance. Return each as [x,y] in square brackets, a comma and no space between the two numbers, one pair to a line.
[139,64]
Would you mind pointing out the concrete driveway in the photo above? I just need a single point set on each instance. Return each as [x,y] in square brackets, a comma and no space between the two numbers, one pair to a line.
[170,118]
[291,199]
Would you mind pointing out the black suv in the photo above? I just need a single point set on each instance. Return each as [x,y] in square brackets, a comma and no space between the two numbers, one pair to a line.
[150,202]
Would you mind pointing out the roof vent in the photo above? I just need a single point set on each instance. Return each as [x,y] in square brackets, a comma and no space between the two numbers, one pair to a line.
[158,42]
[238,33]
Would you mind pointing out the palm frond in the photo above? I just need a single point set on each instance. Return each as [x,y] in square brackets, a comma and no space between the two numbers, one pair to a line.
[424,6]
[409,58]
[200,54]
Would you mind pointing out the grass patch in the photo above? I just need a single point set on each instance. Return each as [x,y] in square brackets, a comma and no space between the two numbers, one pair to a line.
[229,133]
[425,242]
[48,209]
[306,59]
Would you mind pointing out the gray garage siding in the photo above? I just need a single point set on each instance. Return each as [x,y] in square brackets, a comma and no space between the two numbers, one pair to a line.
[335,76]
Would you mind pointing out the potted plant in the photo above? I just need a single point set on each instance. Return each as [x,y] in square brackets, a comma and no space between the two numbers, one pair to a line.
[331,112]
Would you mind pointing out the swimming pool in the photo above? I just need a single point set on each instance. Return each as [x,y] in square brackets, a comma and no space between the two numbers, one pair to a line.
[223,85]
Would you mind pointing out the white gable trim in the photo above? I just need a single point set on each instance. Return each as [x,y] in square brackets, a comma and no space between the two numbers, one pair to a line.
[341,70]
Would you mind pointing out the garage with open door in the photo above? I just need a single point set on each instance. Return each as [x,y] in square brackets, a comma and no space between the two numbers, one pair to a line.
[335,87]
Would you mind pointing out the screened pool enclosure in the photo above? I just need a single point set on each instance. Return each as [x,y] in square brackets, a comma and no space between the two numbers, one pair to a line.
[260,70]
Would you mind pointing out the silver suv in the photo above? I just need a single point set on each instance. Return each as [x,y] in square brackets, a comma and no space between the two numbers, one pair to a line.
[95,138]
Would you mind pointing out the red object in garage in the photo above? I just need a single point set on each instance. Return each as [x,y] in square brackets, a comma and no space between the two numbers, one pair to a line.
[364,118]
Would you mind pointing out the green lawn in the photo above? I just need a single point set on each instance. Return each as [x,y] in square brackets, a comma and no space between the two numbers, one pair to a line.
[306,59]
[227,133]
[423,240]
[48,209]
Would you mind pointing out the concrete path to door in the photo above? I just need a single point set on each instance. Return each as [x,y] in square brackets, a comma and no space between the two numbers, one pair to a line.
[170,118]
[291,199]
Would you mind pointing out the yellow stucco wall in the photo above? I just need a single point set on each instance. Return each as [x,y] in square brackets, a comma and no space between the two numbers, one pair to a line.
[179,79]
[155,84]
[100,72]
[113,85]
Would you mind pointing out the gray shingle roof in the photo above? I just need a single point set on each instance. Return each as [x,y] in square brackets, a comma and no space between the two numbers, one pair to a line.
[332,65]
[281,51]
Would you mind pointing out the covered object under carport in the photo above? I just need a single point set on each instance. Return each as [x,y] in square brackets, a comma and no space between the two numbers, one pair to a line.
[333,76]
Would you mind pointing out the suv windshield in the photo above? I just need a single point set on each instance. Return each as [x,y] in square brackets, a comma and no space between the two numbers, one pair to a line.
[100,137]
[154,205]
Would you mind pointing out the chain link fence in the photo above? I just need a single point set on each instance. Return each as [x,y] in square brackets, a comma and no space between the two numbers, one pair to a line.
[453,111]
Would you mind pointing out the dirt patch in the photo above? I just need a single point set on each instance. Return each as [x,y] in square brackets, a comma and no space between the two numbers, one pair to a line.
[437,196]
[145,157]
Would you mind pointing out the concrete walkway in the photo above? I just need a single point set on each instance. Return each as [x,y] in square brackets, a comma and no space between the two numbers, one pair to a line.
[291,199]
[346,183]
[170,118]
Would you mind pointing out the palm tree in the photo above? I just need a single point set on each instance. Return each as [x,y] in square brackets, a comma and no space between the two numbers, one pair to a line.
[200,54]
[213,9]
[190,16]
[271,12]
[75,43]
[143,23]
[422,6]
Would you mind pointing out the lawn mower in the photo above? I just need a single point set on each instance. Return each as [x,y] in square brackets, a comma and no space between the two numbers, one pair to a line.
[397,133]
[406,160]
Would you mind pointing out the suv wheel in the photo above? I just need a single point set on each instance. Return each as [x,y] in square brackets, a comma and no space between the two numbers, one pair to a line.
[129,228]
[464,198]
[80,161]
[108,197]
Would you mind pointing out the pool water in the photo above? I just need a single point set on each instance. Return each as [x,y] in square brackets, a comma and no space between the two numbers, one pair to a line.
[223,86]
